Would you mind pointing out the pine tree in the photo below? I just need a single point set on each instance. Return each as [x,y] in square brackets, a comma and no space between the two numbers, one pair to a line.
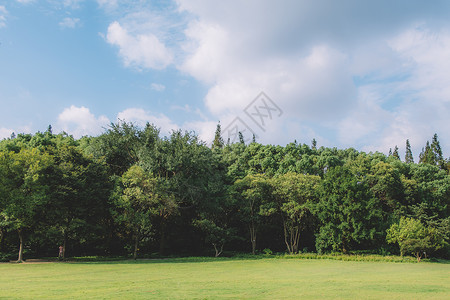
[218,140]
[314,144]
[426,156]
[437,152]
[390,152]
[395,154]
[409,159]
[254,139]
[241,138]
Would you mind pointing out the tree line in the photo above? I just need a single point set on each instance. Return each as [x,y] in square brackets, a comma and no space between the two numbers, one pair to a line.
[132,191]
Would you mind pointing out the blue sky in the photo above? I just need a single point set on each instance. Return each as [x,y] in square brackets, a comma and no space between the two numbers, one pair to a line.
[362,74]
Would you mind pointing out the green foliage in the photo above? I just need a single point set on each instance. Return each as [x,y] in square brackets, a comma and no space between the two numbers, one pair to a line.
[349,213]
[413,237]
[131,188]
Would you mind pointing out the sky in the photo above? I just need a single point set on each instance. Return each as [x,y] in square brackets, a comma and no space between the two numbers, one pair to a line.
[349,73]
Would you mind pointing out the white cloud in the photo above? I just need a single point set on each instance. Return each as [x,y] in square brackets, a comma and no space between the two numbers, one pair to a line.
[74,4]
[79,121]
[3,13]
[157,87]
[140,50]
[69,23]
[140,117]
[5,132]
[348,73]
[25,1]
[108,4]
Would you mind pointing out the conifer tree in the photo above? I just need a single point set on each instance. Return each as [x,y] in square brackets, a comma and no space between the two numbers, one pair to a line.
[314,144]
[218,140]
[395,154]
[241,138]
[437,152]
[408,155]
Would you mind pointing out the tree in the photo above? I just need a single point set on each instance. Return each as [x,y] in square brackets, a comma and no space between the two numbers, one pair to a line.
[78,195]
[216,235]
[218,140]
[25,192]
[395,153]
[348,212]
[251,192]
[409,159]
[314,144]
[138,202]
[293,196]
[414,237]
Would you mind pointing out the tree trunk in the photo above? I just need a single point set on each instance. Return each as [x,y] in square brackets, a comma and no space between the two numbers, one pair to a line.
[20,258]
[253,237]
[218,252]
[2,234]
[162,241]
[286,238]
[136,242]
[64,246]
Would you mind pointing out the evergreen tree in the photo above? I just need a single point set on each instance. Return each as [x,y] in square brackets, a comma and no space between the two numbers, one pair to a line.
[426,156]
[241,138]
[218,140]
[437,152]
[395,154]
[408,155]
[314,144]
[390,152]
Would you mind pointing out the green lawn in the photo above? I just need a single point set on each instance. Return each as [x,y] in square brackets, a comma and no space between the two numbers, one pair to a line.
[225,278]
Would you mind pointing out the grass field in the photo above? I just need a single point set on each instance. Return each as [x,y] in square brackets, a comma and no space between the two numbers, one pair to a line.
[225,278]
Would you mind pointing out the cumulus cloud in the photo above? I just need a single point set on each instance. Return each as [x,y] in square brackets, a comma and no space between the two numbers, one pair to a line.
[140,50]
[3,13]
[69,23]
[140,117]
[79,121]
[351,73]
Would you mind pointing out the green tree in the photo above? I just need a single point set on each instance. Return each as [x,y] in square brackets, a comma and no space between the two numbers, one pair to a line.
[349,214]
[395,153]
[78,196]
[414,237]
[293,195]
[136,203]
[251,192]
[218,140]
[25,193]
[409,159]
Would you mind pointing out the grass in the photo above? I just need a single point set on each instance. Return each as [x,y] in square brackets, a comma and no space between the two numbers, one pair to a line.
[209,278]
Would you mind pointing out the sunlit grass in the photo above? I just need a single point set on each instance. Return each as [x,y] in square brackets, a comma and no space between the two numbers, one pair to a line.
[208,278]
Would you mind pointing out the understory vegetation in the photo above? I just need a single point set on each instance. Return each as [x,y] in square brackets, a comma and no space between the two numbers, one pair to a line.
[131,191]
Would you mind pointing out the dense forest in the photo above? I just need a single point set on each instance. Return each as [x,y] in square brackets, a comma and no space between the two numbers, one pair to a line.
[132,191]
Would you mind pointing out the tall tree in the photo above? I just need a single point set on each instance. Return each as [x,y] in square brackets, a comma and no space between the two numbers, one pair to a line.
[409,159]
[395,153]
[251,191]
[218,140]
[348,212]
[294,194]
[314,144]
[25,193]
[138,202]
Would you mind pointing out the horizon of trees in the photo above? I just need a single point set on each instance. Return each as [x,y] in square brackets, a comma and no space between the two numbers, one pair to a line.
[130,191]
